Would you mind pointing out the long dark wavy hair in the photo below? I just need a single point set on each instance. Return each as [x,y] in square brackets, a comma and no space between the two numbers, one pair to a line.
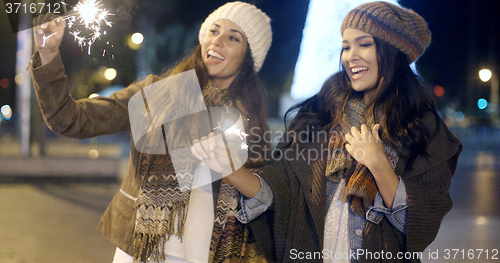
[401,98]
[244,91]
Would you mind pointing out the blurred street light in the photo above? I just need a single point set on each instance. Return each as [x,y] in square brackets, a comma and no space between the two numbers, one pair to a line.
[137,38]
[6,112]
[482,104]
[110,74]
[486,75]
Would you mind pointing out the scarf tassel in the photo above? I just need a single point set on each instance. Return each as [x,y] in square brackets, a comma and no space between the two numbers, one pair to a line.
[152,246]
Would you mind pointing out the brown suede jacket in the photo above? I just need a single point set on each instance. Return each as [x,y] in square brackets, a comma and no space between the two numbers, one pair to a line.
[87,118]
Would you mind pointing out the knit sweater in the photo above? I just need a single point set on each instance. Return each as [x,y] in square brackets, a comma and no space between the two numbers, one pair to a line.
[299,187]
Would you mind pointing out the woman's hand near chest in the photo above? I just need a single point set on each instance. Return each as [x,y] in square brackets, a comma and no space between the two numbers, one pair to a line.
[366,148]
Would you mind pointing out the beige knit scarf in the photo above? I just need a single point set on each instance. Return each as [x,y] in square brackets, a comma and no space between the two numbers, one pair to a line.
[360,186]
[162,206]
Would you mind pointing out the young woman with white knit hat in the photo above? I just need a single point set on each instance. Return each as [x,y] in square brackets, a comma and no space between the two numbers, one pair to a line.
[150,219]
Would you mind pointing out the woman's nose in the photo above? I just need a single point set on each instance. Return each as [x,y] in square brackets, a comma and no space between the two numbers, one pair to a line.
[217,40]
[352,54]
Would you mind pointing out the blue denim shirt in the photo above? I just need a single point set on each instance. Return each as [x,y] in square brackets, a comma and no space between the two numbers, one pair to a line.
[253,207]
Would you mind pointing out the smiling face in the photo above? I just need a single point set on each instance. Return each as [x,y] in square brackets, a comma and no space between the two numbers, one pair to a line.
[223,51]
[359,58]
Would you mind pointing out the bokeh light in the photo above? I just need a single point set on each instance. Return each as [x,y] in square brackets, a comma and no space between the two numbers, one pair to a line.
[110,73]
[18,79]
[438,91]
[93,154]
[482,104]
[485,74]
[4,83]
[137,38]
[459,116]
[6,112]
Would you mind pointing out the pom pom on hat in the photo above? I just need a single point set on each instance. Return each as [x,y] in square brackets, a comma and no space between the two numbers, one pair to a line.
[254,23]
[400,27]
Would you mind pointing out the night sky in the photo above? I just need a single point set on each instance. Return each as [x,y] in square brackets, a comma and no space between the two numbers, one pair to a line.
[465,34]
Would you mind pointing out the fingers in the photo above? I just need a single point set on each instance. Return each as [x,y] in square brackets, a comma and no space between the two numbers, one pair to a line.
[375,131]
[197,150]
[211,141]
[365,129]
[38,24]
[204,144]
[349,138]
[48,22]
[364,135]
[355,131]
[348,147]
[208,147]
[57,21]
[195,153]
[48,17]
[39,20]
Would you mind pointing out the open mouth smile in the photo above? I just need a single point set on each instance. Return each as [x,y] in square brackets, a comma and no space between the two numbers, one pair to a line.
[358,72]
[214,54]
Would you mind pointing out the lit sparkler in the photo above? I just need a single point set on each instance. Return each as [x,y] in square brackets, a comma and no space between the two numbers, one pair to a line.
[240,134]
[92,16]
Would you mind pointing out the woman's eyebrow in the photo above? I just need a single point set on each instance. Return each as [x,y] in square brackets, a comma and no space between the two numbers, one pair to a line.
[234,30]
[361,37]
[358,38]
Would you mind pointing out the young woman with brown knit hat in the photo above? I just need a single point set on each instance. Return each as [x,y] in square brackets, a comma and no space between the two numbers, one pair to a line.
[150,218]
[364,170]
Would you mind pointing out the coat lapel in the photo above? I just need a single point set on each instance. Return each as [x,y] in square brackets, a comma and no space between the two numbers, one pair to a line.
[310,171]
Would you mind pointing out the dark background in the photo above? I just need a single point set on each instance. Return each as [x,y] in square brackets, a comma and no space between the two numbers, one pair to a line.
[464,39]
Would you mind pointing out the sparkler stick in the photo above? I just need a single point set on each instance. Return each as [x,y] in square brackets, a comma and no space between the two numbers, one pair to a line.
[232,130]
[69,14]
[44,37]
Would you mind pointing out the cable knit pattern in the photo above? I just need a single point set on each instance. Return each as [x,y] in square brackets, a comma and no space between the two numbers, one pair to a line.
[400,27]
[254,23]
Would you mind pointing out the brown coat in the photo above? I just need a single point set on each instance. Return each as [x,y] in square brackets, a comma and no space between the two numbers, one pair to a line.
[87,118]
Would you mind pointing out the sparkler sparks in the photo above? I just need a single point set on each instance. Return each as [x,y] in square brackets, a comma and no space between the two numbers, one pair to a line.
[240,134]
[47,37]
[92,16]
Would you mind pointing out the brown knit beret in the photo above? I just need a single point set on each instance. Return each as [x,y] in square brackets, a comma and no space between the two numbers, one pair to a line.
[400,27]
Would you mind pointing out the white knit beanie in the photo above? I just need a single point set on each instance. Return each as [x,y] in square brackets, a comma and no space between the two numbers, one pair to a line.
[254,23]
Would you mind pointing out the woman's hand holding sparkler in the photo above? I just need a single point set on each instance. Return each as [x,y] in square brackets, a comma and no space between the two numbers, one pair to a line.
[212,151]
[48,33]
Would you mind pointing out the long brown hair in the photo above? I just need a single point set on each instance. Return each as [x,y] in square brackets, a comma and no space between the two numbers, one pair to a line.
[401,97]
[244,92]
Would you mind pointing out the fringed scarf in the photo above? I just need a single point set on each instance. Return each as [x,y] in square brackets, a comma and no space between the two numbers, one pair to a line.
[162,206]
[232,241]
[360,186]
